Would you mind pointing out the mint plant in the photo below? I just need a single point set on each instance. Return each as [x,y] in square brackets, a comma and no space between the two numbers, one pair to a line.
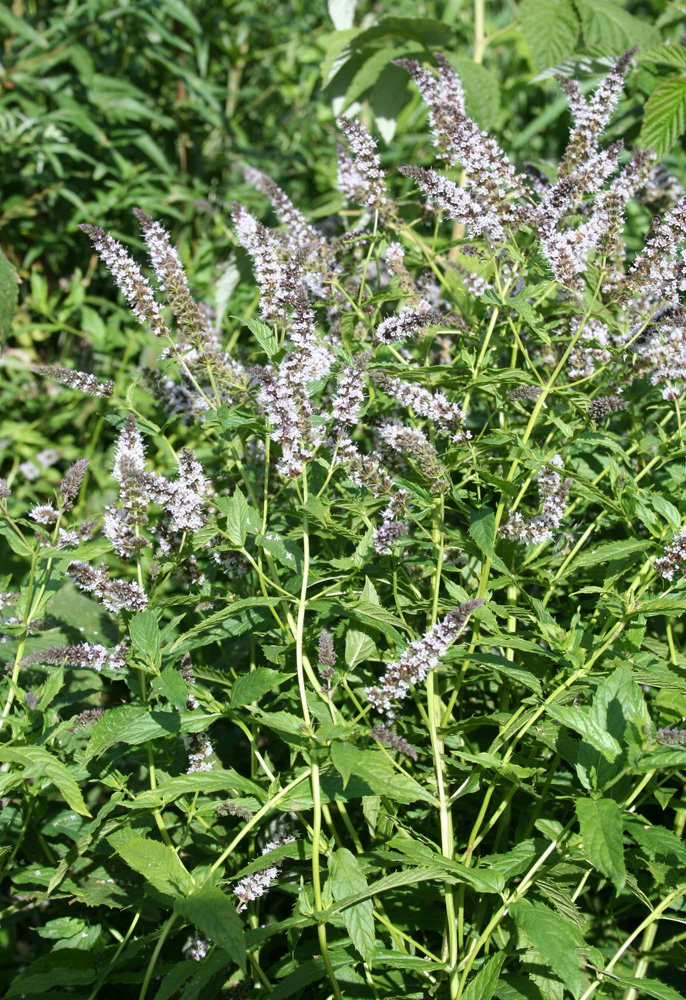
[382,687]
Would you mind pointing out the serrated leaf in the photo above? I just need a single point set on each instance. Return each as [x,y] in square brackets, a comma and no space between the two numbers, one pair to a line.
[613,28]
[608,551]
[482,529]
[145,637]
[358,647]
[134,724]
[482,987]
[600,822]
[347,879]
[40,763]
[237,512]
[215,915]
[553,937]
[252,686]
[481,91]
[217,780]
[264,335]
[581,722]
[157,863]
[375,768]
[551,29]
[664,116]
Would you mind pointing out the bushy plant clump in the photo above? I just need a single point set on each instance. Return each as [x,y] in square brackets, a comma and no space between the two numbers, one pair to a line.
[367,679]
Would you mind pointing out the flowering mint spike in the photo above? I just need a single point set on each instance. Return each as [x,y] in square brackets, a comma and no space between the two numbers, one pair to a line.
[592,117]
[116,595]
[127,274]
[71,483]
[389,738]
[418,659]
[673,562]
[367,180]
[76,380]
[349,396]
[553,494]
[253,886]
[81,656]
[445,415]
[192,322]
[262,247]
[302,232]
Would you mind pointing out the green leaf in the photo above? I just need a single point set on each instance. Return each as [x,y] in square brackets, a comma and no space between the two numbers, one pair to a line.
[668,54]
[376,769]
[215,915]
[482,987]
[358,647]
[145,637]
[41,764]
[481,91]
[134,724]
[608,551]
[264,335]
[236,511]
[217,780]
[613,28]
[250,687]
[347,879]
[553,937]
[581,722]
[156,862]
[664,116]
[287,552]
[482,529]
[8,298]
[551,29]
[650,987]
[600,822]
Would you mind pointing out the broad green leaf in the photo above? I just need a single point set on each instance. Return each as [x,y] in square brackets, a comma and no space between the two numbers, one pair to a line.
[481,91]
[658,843]
[600,822]
[608,551]
[41,764]
[551,29]
[250,687]
[610,26]
[287,552]
[648,987]
[264,335]
[553,937]
[134,724]
[157,863]
[581,722]
[217,780]
[482,529]
[236,511]
[358,647]
[376,769]
[145,637]
[215,915]
[668,54]
[232,620]
[664,116]
[303,975]
[482,987]
[8,298]
[347,879]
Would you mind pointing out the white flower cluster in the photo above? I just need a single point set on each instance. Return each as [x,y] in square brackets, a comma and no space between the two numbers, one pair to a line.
[362,181]
[257,884]
[74,379]
[410,321]
[349,396]
[199,749]
[436,406]
[81,656]
[674,559]
[418,659]
[553,494]
[116,595]
[129,278]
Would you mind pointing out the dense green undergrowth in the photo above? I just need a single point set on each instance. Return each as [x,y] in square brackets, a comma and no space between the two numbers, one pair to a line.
[342,613]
